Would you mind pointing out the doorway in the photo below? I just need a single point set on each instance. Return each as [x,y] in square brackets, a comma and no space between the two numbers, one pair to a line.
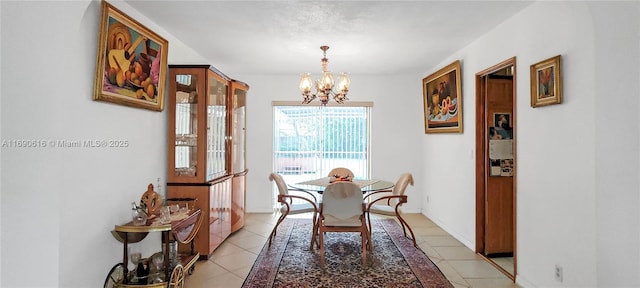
[495,166]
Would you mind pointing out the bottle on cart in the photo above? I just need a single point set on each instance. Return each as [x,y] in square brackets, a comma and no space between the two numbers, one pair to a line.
[142,272]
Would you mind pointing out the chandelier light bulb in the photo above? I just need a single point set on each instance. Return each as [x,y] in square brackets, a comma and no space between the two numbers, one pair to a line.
[344,82]
[305,83]
[327,80]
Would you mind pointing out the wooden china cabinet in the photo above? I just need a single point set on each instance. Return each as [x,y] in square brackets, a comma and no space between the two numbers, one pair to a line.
[204,116]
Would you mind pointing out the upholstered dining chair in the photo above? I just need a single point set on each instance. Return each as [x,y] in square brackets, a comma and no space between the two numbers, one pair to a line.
[391,204]
[341,172]
[342,210]
[288,207]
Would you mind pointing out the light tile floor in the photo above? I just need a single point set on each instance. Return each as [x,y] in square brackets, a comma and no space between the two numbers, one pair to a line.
[232,261]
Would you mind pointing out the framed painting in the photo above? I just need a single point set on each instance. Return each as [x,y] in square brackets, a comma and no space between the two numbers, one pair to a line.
[442,96]
[131,62]
[546,82]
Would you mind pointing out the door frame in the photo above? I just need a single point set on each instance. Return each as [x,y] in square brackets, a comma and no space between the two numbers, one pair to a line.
[481,162]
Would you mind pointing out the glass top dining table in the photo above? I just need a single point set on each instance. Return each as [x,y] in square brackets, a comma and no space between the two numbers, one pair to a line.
[366,185]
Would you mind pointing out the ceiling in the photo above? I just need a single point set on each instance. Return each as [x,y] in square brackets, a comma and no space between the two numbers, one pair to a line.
[365,37]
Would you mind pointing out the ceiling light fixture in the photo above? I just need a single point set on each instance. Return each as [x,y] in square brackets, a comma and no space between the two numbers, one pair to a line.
[324,86]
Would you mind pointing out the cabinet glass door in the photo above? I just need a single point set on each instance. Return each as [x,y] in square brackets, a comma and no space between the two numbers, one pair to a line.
[239,130]
[186,138]
[216,127]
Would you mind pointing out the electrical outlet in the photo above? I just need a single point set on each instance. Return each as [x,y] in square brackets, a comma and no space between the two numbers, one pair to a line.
[558,273]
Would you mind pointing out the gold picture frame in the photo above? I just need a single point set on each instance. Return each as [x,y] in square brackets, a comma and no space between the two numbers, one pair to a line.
[442,97]
[546,82]
[131,64]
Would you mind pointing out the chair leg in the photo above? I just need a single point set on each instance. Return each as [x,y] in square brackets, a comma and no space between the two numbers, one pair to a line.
[370,229]
[317,231]
[364,237]
[314,231]
[275,228]
[404,223]
[321,240]
[370,240]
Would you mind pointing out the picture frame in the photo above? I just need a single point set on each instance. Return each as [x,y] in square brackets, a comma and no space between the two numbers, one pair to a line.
[502,120]
[131,63]
[546,82]
[442,98]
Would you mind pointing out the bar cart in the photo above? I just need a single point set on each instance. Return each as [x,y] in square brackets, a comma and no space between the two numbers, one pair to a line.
[182,228]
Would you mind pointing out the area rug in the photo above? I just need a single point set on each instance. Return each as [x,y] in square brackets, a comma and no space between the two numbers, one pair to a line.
[395,262]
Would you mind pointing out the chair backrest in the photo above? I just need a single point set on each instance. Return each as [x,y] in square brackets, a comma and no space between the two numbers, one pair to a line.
[341,172]
[400,186]
[342,200]
[282,186]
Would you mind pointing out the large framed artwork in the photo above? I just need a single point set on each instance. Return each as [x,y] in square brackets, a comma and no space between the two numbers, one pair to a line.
[131,62]
[546,82]
[442,97]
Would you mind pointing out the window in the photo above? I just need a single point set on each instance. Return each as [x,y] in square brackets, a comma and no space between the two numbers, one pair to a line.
[309,141]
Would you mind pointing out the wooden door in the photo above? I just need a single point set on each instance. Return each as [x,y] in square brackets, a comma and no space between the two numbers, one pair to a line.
[499,175]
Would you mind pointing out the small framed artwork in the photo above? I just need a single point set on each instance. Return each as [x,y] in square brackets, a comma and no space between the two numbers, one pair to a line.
[442,96]
[546,82]
[502,120]
[131,62]
[501,127]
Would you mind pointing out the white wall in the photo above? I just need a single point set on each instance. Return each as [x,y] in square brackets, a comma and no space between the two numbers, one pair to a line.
[396,129]
[577,195]
[617,188]
[577,190]
[0,152]
[60,204]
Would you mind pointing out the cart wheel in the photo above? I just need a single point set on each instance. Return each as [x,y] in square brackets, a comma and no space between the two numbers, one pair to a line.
[115,276]
[177,277]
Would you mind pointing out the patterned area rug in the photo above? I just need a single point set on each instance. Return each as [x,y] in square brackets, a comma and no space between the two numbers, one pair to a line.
[395,262]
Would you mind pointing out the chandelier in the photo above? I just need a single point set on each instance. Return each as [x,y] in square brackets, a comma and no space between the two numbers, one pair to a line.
[324,85]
